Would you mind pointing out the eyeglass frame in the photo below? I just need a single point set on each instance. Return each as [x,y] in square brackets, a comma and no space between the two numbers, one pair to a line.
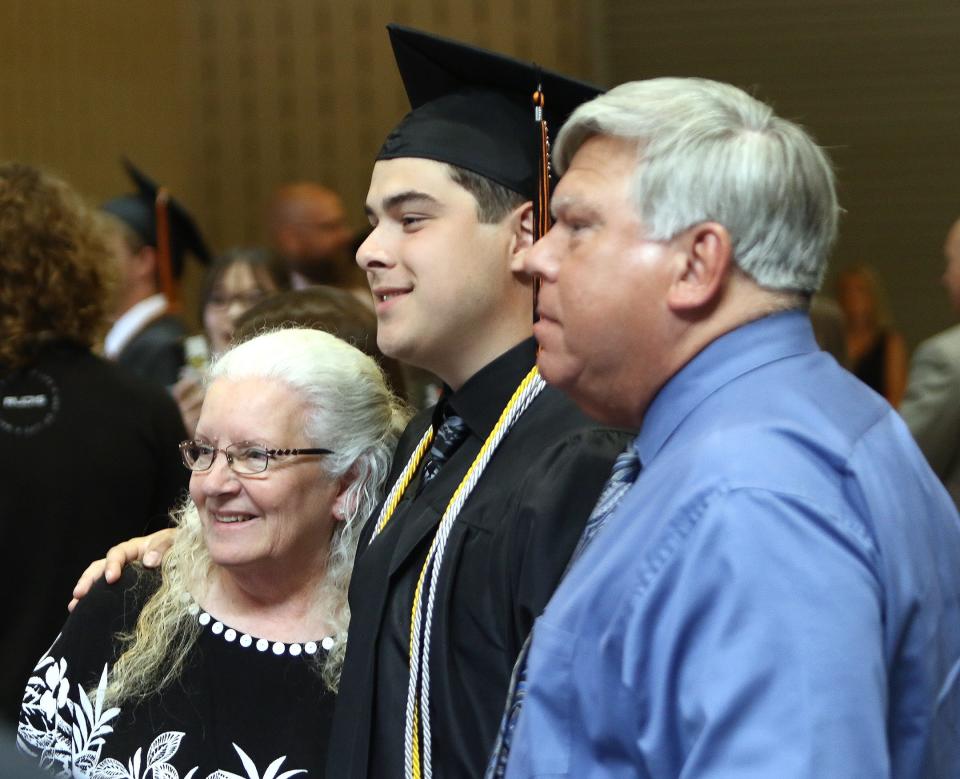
[271,454]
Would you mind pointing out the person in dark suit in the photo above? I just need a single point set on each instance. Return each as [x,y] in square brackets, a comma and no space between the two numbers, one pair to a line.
[931,407]
[147,336]
[87,450]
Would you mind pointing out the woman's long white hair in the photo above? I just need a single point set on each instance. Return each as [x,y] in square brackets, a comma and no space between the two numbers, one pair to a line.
[351,411]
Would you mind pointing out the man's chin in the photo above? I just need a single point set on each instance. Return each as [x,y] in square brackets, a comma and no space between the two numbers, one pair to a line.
[559,370]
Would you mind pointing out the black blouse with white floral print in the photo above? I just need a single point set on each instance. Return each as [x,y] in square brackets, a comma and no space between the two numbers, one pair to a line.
[243,708]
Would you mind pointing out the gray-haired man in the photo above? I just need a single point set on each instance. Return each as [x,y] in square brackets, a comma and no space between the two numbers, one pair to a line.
[778,594]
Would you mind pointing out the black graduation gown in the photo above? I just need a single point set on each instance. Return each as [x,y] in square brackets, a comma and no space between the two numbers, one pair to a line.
[88,455]
[505,556]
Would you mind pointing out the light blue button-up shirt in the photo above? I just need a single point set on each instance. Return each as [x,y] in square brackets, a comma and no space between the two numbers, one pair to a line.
[777,596]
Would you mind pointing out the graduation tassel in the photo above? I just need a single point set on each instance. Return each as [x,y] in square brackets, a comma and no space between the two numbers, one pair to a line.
[168,285]
[541,205]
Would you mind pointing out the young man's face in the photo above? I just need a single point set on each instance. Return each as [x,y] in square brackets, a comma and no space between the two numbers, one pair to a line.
[444,292]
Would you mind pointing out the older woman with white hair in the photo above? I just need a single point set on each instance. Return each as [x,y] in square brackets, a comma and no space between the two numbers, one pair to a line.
[225,664]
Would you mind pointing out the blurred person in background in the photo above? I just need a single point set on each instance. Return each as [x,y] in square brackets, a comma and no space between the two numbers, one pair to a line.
[310,233]
[146,337]
[931,407]
[829,328]
[87,451]
[323,308]
[238,279]
[876,352]
[226,662]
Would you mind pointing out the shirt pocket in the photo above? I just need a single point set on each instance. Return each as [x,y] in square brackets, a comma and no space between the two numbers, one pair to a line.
[549,711]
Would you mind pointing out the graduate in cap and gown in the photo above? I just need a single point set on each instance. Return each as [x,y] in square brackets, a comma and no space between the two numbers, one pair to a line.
[152,234]
[490,488]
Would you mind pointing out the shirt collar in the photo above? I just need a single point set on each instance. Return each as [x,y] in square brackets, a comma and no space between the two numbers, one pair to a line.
[733,354]
[481,400]
[131,322]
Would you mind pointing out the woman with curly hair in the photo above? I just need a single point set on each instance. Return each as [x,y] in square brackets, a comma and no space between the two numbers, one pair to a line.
[85,451]
[226,663]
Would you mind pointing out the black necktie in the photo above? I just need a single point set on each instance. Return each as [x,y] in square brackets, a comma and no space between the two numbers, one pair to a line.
[449,436]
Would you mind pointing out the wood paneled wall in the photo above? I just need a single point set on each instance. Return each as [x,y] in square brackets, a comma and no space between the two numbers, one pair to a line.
[293,89]
[876,81]
[224,99]
[221,100]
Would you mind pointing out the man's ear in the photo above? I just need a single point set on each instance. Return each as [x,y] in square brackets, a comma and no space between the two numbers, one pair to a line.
[704,260]
[521,222]
[145,263]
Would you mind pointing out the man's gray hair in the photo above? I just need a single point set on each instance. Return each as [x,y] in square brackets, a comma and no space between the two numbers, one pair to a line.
[709,152]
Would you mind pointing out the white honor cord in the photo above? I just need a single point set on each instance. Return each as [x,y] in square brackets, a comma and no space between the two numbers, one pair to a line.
[420,661]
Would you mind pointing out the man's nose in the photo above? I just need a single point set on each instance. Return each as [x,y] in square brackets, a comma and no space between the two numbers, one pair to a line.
[372,253]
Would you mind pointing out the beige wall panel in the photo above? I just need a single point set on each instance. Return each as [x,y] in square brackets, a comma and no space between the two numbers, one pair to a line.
[83,83]
[878,82]
[308,89]
[222,100]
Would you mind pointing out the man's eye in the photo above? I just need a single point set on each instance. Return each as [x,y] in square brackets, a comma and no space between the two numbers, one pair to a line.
[411,221]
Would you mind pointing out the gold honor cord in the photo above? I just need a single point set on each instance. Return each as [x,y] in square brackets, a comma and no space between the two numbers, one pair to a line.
[401,484]
[417,762]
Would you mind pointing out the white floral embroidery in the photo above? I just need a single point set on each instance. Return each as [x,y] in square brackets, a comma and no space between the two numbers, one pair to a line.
[252,772]
[67,735]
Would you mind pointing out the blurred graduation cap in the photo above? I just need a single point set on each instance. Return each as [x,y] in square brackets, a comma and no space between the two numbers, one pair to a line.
[476,109]
[161,222]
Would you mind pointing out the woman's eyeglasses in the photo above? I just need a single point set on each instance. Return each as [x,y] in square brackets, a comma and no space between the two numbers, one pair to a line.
[243,457]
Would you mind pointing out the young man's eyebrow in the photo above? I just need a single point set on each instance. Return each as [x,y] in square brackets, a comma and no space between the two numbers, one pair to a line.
[404,198]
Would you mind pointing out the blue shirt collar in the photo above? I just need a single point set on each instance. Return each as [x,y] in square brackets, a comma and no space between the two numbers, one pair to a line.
[733,354]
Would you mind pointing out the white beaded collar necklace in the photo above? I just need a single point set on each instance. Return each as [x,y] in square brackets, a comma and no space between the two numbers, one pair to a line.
[246,640]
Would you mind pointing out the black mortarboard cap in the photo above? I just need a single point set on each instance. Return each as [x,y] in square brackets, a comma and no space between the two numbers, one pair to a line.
[139,212]
[473,108]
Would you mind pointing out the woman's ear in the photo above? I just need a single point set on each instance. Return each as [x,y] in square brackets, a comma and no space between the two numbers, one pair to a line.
[344,505]
[521,221]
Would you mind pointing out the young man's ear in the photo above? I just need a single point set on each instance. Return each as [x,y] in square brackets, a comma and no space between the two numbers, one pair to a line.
[521,222]
[704,256]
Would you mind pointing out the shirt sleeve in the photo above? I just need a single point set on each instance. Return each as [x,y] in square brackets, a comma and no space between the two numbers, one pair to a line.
[63,717]
[763,647]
